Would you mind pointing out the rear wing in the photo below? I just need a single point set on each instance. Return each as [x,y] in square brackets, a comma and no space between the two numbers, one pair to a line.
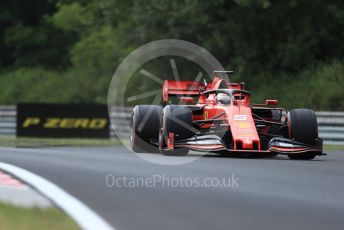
[181,88]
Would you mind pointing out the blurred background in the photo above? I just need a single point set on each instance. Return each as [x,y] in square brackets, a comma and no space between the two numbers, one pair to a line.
[57,59]
[66,51]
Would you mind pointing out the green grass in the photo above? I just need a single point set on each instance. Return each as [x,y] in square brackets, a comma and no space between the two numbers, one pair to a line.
[12,217]
[10,141]
[333,147]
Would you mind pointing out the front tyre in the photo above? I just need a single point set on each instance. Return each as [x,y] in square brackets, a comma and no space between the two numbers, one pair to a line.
[303,128]
[144,129]
[176,120]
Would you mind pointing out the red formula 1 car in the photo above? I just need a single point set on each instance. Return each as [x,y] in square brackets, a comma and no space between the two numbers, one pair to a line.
[222,120]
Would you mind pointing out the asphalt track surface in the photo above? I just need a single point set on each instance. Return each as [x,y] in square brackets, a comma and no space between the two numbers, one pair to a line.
[273,193]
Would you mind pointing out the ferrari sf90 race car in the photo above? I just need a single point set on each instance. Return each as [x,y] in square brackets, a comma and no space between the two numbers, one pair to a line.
[218,117]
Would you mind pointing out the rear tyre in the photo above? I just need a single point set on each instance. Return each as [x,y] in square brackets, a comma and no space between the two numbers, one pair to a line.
[302,127]
[145,125]
[176,120]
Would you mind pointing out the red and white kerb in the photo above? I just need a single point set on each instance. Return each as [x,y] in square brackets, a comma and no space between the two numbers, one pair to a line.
[7,180]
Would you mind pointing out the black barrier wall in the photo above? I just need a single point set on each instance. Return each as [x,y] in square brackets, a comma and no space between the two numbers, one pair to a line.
[62,120]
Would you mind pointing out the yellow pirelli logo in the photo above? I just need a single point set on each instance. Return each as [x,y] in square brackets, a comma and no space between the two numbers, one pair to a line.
[66,123]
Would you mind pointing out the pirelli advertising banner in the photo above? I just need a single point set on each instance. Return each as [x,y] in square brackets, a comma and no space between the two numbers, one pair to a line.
[62,120]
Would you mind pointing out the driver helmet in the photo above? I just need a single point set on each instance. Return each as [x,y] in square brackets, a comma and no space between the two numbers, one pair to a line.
[223,98]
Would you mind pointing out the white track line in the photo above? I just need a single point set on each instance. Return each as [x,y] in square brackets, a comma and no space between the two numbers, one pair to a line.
[83,216]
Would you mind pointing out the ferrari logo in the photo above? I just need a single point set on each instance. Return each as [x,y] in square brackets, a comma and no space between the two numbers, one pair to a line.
[206,116]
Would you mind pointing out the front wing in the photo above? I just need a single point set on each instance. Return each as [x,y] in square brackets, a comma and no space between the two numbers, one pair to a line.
[277,145]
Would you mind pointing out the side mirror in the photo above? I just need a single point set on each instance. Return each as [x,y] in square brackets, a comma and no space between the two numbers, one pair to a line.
[271,102]
[186,100]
